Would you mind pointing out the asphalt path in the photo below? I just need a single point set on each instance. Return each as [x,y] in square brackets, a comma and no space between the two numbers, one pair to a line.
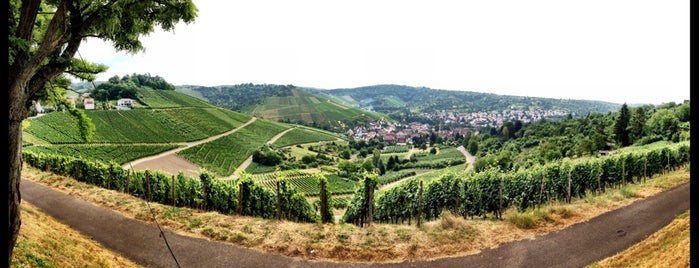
[575,246]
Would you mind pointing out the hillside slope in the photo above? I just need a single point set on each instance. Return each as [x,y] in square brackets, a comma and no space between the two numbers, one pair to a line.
[392,98]
[162,121]
[283,103]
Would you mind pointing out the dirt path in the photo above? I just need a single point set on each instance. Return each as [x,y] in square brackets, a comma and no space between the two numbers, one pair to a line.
[575,246]
[469,157]
[248,161]
[170,162]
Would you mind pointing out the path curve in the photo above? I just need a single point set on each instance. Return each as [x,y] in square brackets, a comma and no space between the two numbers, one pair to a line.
[248,161]
[576,246]
[151,161]
[469,157]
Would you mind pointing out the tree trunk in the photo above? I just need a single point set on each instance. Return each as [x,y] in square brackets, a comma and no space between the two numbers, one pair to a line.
[13,179]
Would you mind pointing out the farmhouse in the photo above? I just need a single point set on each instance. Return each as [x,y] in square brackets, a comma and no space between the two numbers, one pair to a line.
[125,104]
[89,103]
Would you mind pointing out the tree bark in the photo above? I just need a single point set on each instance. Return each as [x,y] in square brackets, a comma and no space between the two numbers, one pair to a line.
[13,180]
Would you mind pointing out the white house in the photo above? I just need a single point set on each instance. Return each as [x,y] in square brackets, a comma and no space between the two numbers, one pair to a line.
[125,104]
[89,103]
[38,108]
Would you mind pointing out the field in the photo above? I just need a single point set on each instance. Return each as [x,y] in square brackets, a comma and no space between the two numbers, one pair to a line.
[303,135]
[308,184]
[223,156]
[305,107]
[104,152]
[137,126]
[168,99]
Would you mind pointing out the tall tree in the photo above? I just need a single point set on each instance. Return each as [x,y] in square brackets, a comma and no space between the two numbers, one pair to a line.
[621,131]
[637,123]
[43,40]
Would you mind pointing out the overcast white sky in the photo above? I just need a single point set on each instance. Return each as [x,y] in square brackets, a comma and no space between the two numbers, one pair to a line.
[633,51]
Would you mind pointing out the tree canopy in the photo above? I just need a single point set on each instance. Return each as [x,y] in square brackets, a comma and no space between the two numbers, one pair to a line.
[43,42]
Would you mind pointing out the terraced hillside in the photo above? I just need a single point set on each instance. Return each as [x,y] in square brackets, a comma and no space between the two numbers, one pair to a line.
[174,120]
[283,103]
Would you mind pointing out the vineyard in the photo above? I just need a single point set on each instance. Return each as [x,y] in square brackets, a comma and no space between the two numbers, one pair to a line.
[223,156]
[492,191]
[303,135]
[211,121]
[242,197]
[104,152]
[168,99]
[137,126]
[307,183]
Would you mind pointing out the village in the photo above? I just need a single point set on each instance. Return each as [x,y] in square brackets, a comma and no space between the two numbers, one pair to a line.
[403,133]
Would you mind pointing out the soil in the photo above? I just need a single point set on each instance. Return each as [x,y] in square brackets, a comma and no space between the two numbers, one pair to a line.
[576,246]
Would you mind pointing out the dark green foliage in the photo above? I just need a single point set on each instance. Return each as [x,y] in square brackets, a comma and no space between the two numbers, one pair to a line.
[327,215]
[206,192]
[491,191]
[621,125]
[358,208]
[395,99]
[266,156]
[128,86]
[103,152]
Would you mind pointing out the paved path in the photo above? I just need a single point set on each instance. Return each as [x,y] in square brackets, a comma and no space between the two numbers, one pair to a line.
[469,158]
[575,246]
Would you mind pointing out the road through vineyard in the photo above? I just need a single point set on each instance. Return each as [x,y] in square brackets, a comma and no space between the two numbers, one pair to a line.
[607,234]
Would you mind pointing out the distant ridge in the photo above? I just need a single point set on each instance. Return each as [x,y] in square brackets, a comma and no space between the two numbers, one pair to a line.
[392,98]
[284,103]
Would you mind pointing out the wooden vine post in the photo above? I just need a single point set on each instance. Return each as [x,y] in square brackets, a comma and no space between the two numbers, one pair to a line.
[541,193]
[128,179]
[499,214]
[623,171]
[174,200]
[240,199]
[645,168]
[419,206]
[279,202]
[323,203]
[458,196]
[570,181]
[147,186]
[599,178]
[205,192]
[371,202]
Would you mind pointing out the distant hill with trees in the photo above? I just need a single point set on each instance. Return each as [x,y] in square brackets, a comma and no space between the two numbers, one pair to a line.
[284,103]
[389,99]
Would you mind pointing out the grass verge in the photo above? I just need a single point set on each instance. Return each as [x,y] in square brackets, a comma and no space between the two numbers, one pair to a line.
[445,237]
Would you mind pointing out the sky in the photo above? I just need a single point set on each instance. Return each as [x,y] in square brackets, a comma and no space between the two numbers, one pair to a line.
[621,51]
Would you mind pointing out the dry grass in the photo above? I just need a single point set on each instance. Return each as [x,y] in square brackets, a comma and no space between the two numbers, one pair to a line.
[448,236]
[45,242]
[669,247]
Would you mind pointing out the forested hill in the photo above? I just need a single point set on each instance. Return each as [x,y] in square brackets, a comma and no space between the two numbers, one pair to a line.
[241,97]
[394,98]
[285,103]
